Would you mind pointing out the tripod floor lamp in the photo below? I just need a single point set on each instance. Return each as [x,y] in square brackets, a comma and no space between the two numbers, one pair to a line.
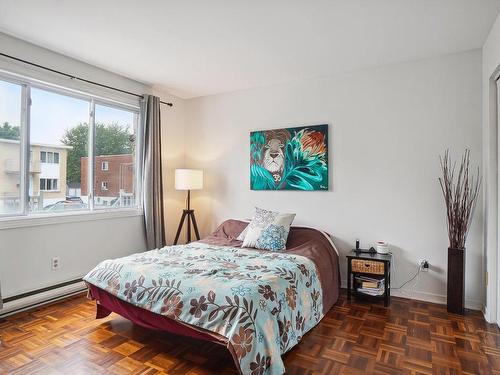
[188,179]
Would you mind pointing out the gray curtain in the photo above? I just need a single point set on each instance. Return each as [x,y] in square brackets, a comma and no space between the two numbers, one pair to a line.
[152,192]
[1,300]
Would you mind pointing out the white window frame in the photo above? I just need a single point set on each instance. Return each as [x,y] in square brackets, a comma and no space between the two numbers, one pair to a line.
[46,180]
[105,165]
[104,185]
[24,217]
[51,159]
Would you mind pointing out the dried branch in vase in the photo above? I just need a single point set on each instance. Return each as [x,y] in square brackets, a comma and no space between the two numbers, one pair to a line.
[460,196]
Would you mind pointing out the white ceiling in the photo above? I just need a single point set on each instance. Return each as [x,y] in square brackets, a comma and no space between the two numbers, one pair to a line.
[203,47]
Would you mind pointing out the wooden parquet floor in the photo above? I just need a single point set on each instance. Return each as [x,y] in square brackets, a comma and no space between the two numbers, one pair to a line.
[409,337]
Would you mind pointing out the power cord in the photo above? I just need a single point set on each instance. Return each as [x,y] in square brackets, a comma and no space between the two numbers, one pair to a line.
[413,278]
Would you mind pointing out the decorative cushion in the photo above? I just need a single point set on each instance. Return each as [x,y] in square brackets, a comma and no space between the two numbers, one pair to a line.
[268,230]
[242,235]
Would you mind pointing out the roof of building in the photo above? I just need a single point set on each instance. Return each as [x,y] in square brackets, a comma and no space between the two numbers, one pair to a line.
[48,145]
[108,156]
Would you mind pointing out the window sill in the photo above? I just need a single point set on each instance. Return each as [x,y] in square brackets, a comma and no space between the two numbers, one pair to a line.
[14,222]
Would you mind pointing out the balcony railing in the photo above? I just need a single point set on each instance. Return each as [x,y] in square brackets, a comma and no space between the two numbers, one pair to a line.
[11,202]
[13,166]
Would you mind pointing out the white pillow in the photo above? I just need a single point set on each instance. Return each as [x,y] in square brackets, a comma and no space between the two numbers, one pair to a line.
[242,235]
[268,230]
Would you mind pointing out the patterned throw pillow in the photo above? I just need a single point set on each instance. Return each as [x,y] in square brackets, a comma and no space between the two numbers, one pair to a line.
[268,230]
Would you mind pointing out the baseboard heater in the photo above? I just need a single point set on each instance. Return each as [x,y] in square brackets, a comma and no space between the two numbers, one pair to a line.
[38,297]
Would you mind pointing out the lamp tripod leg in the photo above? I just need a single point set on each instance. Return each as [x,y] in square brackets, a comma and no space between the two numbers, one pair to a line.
[181,223]
[189,226]
[195,226]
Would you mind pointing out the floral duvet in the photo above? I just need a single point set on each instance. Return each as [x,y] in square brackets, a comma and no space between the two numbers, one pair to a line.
[262,302]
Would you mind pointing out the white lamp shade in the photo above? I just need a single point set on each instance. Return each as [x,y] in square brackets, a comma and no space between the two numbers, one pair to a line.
[188,179]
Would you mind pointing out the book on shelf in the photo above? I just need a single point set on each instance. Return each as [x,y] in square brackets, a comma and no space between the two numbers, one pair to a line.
[371,280]
[370,286]
[372,291]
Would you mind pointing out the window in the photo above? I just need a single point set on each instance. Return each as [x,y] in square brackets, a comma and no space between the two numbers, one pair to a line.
[48,184]
[115,130]
[10,148]
[60,137]
[50,171]
[49,157]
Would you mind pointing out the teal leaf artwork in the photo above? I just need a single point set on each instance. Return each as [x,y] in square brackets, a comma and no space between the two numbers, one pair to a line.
[289,159]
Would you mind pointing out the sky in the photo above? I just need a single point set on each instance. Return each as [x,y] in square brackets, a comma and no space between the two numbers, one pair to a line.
[52,114]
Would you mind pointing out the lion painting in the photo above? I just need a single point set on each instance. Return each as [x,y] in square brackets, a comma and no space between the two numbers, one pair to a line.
[289,159]
[274,157]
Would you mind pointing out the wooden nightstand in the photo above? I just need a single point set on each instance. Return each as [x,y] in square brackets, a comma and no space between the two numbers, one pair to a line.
[370,265]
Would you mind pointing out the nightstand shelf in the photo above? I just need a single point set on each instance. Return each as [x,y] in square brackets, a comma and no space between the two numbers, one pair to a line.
[372,265]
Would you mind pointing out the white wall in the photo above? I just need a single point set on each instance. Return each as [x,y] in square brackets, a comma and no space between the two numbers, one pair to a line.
[30,52]
[25,252]
[387,127]
[491,68]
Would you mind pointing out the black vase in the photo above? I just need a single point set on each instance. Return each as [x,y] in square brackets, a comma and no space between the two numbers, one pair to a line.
[456,281]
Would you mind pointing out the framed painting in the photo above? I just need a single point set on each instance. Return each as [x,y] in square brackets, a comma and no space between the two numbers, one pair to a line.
[289,158]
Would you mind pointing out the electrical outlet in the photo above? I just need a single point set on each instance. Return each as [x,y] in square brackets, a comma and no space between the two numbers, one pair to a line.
[424,265]
[55,263]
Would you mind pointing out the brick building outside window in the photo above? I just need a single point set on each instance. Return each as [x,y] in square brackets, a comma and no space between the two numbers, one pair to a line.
[113,180]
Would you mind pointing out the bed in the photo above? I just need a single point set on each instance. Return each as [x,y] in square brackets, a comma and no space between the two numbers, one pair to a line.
[257,303]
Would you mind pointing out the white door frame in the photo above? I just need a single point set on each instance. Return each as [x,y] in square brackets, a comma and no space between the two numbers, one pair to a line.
[491,183]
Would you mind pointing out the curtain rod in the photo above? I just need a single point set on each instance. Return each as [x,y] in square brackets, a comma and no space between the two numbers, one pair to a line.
[77,78]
